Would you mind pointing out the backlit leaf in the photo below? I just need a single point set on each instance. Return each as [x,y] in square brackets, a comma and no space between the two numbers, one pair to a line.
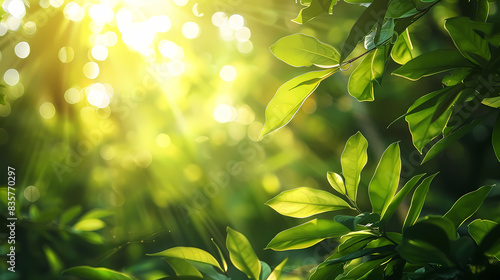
[495,139]
[189,254]
[183,268]
[467,41]
[467,205]
[96,273]
[360,83]
[417,201]
[353,160]
[242,255]
[275,275]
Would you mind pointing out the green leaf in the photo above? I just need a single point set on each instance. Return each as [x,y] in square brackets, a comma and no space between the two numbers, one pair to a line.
[398,198]
[478,230]
[385,180]
[491,242]
[361,253]
[353,160]
[450,97]
[2,98]
[467,41]
[326,271]
[189,254]
[301,50]
[89,225]
[495,138]
[482,9]
[275,275]
[315,8]
[242,255]
[304,202]
[401,9]
[360,83]
[467,205]
[336,182]
[363,268]
[461,250]
[493,102]
[265,271]
[307,234]
[361,219]
[53,260]
[289,97]
[422,128]
[96,273]
[70,214]
[385,33]
[224,263]
[432,63]
[449,139]
[380,61]
[183,268]
[355,241]
[402,51]
[417,201]
[456,76]
[373,14]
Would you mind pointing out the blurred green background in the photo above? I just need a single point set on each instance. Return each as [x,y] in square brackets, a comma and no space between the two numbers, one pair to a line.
[133,126]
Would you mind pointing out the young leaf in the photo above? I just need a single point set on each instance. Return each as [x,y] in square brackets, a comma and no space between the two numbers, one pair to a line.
[315,8]
[495,139]
[432,63]
[353,160]
[289,97]
[336,182]
[275,275]
[360,83]
[402,51]
[183,268]
[242,255]
[224,263]
[417,201]
[467,41]
[373,14]
[302,50]
[96,273]
[189,254]
[306,235]
[304,202]
[398,198]
[467,205]
[493,102]
[385,180]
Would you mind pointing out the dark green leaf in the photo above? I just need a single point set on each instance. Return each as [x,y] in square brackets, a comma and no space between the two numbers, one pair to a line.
[467,205]
[289,97]
[432,63]
[183,268]
[456,76]
[96,273]
[365,267]
[361,219]
[417,201]
[385,180]
[361,253]
[353,160]
[401,9]
[304,202]
[355,241]
[242,255]
[315,8]
[467,41]
[360,83]
[307,234]
[482,8]
[478,230]
[462,249]
[326,271]
[495,139]
[491,242]
[301,50]
[447,102]
[70,214]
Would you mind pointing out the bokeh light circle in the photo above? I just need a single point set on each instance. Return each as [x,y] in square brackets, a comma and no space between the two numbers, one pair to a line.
[11,77]
[22,49]
[47,110]
[228,73]
[91,70]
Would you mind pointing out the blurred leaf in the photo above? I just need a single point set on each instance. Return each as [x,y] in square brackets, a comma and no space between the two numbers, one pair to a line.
[467,205]
[96,214]
[68,215]
[467,41]
[304,202]
[373,14]
[289,97]
[417,201]
[353,160]
[315,8]
[307,234]
[482,10]
[462,250]
[91,237]
[189,254]
[449,139]
[493,102]
[385,180]
[242,255]
[182,267]
[495,138]
[360,83]
[89,225]
[398,198]
[2,98]
[432,63]
[54,261]
[275,275]
[224,263]
[266,271]
[302,50]
[96,273]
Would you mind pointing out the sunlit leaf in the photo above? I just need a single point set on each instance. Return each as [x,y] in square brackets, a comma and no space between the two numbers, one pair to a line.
[385,180]
[417,201]
[242,255]
[495,139]
[96,273]
[70,214]
[189,254]
[224,263]
[398,198]
[303,50]
[89,225]
[275,275]
[363,268]
[315,8]
[401,9]
[432,63]
[380,61]
[336,182]
[467,41]
[183,268]
[304,202]
[355,241]
[265,271]
[353,160]
[455,77]
[467,205]
[360,83]
[361,219]
[307,234]
[385,33]
[493,102]
[53,259]
[373,14]
[289,97]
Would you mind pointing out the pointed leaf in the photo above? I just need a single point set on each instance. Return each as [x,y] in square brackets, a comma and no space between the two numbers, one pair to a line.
[467,41]
[306,235]
[493,102]
[353,160]
[360,83]
[89,225]
[385,180]
[183,268]
[189,254]
[290,97]
[242,255]
[432,63]
[467,205]
[327,271]
[302,50]
[304,202]
[417,201]
[495,139]
[336,182]
[96,273]
[355,241]
[224,263]
[265,271]
[275,275]
[315,8]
